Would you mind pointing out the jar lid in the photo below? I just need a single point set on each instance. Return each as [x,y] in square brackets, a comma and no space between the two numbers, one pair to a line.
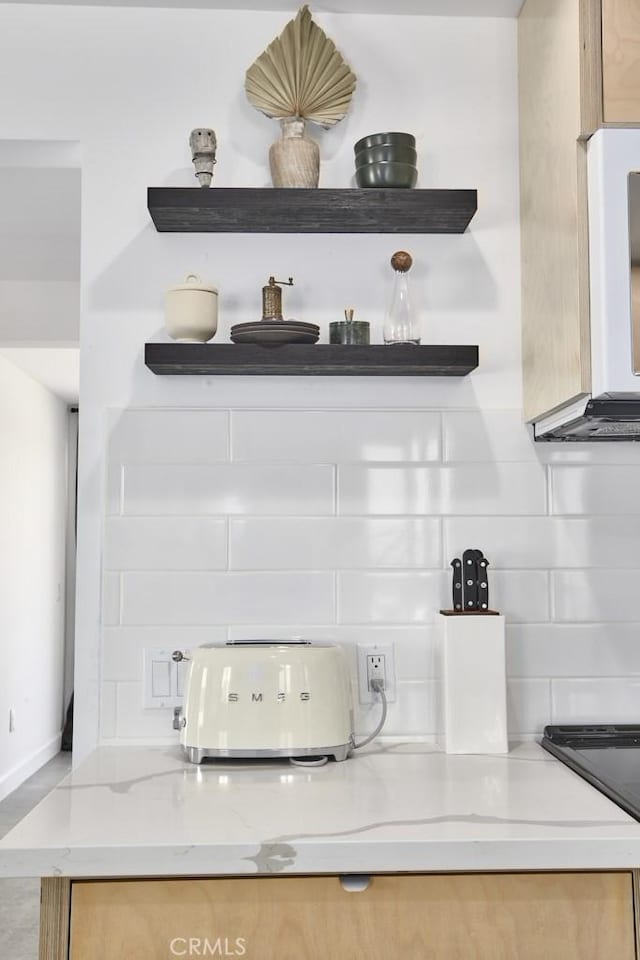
[193,282]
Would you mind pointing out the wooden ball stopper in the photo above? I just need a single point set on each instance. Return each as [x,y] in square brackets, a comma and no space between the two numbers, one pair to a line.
[401,261]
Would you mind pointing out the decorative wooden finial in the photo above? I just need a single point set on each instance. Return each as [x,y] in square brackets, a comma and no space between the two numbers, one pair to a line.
[401,261]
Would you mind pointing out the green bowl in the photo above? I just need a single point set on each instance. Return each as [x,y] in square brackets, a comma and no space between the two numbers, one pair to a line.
[382,139]
[387,175]
[385,154]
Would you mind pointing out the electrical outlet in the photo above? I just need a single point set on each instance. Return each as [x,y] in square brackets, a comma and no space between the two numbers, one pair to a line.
[376,661]
[12,721]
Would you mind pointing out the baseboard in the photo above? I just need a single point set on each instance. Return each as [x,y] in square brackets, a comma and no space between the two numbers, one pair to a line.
[18,774]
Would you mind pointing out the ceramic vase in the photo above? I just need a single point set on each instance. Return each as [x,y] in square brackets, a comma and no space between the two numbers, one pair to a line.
[294,158]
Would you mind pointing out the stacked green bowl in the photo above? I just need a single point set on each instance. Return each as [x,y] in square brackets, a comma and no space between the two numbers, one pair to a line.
[386,160]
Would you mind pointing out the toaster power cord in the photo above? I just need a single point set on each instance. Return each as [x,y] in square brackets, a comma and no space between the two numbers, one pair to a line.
[378,687]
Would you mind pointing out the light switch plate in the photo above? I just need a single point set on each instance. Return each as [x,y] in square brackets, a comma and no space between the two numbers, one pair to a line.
[163,680]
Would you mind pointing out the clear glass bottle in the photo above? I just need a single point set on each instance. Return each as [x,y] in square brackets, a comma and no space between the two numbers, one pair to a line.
[400,324]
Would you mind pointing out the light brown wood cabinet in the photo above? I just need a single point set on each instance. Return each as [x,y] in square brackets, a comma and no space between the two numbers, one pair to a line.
[579,70]
[525,916]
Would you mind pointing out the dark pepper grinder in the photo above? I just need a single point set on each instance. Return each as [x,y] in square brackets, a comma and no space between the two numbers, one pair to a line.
[349,331]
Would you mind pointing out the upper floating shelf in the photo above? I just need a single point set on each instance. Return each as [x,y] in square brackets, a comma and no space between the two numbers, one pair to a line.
[320,359]
[279,210]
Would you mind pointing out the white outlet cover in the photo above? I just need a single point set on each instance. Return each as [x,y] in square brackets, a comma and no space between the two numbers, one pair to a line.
[385,650]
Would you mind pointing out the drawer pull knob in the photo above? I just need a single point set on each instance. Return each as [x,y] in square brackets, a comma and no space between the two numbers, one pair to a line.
[355,882]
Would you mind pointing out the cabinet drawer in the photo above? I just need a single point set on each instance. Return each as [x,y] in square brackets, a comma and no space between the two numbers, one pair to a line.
[480,917]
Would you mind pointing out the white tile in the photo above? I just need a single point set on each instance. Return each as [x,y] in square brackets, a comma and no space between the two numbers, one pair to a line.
[596,595]
[547,541]
[413,713]
[313,436]
[573,650]
[123,647]
[414,647]
[487,435]
[596,701]
[113,488]
[521,595]
[460,489]
[623,452]
[228,489]
[107,719]
[595,489]
[390,597]
[110,599]
[165,543]
[197,599]
[332,542]
[134,722]
[528,706]
[168,436]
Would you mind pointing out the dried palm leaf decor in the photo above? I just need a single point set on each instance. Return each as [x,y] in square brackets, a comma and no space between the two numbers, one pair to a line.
[300,76]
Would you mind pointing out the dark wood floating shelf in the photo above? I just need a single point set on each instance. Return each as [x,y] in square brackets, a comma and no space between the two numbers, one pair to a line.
[320,359]
[278,210]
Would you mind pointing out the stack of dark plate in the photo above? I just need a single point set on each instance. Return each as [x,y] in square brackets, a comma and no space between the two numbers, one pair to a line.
[272,333]
[386,160]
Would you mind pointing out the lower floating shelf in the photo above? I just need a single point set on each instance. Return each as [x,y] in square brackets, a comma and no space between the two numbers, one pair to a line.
[319,360]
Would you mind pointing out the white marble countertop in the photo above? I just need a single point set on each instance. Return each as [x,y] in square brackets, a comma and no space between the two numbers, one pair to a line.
[144,811]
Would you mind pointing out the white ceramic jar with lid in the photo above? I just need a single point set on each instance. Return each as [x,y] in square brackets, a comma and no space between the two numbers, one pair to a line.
[192,310]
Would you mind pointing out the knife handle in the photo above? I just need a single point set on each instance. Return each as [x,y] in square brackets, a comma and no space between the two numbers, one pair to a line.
[470,579]
[457,584]
[483,584]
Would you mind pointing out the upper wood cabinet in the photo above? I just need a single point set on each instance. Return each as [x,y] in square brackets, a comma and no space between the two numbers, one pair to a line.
[620,61]
[579,70]
[556,57]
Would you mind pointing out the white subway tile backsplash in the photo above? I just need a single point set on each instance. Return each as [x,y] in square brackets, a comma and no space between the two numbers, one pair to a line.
[198,599]
[228,489]
[113,488]
[313,436]
[135,723]
[165,543]
[168,436]
[108,711]
[528,706]
[487,435]
[548,542]
[457,489]
[390,597]
[595,489]
[573,650]
[111,599]
[414,647]
[277,543]
[595,595]
[339,525]
[413,714]
[521,595]
[123,647]
[601,700]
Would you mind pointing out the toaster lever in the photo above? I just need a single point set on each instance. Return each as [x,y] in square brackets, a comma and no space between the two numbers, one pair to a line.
[178,720]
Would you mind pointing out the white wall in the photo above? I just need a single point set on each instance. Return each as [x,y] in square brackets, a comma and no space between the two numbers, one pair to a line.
[129,85]
[33,480]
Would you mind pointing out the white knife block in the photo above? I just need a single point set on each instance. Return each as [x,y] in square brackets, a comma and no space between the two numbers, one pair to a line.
[473,684]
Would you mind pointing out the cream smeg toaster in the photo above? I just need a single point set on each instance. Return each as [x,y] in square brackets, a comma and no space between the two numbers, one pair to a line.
[266,698]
